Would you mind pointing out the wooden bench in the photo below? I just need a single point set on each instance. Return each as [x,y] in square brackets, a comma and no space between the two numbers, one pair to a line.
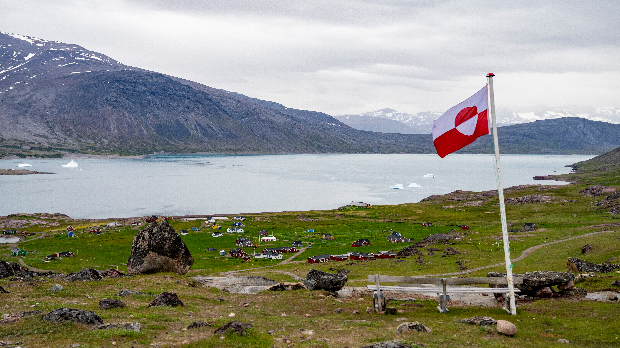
[441,286]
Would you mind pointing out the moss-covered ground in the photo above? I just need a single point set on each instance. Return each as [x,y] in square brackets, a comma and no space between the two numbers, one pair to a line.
[566,221]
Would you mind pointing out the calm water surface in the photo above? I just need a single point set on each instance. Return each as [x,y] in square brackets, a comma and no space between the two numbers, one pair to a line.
[194,184]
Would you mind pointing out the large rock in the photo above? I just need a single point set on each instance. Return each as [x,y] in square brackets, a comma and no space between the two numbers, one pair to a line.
[576,265]
[317,280]
[506,328]
[109,303]
[158,248]
[166,299]
[75,315]
[85,275]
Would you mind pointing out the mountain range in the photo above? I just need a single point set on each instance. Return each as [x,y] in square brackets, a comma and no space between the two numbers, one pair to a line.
[57,98]
[391,121]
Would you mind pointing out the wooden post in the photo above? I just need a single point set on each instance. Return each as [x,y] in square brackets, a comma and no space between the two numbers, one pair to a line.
[502,206]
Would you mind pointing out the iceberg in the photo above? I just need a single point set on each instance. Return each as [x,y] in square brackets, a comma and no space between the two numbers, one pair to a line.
[22,165]
[414,185]
[71,164]
[397,187]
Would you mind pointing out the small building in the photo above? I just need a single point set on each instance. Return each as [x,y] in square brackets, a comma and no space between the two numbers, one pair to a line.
[268,239]
[222,252]
[238,224]
[361,256]
[396,237]
[464,227]
[69,228]
[245,242]
[360,242]
[297,243]
[235,230]
[529,226]
[238,252]
[66,254]
[319,258]
[384,255]
[427,224]
[359,204]
[71,234]
[342,257]
[263,233]
[239,218]
[183,232]
[327,236]
[18,252]
[216,234]
[310,230]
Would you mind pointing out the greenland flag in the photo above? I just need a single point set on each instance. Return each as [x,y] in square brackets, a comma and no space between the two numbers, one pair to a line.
[462,124]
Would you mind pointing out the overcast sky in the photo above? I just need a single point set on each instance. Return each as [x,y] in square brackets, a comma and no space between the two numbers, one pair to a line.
[352,56]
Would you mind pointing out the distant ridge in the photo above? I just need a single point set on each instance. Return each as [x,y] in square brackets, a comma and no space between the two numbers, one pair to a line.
[57,98]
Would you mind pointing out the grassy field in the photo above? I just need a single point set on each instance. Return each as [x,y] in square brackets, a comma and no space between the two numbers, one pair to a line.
[566,221]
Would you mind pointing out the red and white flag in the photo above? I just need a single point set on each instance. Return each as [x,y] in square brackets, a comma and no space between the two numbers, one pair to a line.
[462,124]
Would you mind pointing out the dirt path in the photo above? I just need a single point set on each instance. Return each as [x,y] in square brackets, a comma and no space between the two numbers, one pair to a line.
[523,255]
[21,262]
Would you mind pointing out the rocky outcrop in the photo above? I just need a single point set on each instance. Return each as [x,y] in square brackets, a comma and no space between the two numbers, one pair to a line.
[158,248]
[539,283]
[586,248]
[12,269]
[318,280]
[75,315]
[166,299]
[111,273]
[198,324]
[85,275]
[237,327]
[286,286]
[576,265]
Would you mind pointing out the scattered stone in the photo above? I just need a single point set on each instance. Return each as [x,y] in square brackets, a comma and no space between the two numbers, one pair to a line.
[478,320]
[286,286]
[318,280]
[124,293]
[562,340]
[338,310]
[586,248]
[112,273]
[544,292]
[166,299]
[85,275]
[388,344]
[3,291]
[231,315]
[529,227]
[412,326]
[158,248]
[566,286]
[356,311]
[390,310]
[135,327]
[197,324]
[237,327]
[56,287]
[615,283]
[576,265]
[506,328]
[271,332]
[76,315]
[109,303]
[596,190]
[369,310]
[450,251]
[603,296]
[29,314]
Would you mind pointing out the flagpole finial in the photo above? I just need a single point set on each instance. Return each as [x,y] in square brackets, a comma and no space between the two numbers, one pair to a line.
[490,74]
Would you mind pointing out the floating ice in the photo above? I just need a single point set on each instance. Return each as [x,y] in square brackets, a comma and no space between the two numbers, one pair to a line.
[71,164]
[21,165]
[429,175]
[414,185]
[398,187]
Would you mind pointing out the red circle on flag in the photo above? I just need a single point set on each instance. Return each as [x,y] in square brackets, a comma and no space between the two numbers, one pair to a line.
[465,114]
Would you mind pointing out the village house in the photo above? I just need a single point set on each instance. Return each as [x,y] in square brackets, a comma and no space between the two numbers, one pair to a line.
[245,242]
[319,258]
[396,237]
[360,242]
[327,236]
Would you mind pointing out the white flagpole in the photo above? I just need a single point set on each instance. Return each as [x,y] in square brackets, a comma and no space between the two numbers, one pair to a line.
[502,206]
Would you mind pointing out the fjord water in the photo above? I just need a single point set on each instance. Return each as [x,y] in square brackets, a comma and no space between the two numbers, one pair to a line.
[208,184]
